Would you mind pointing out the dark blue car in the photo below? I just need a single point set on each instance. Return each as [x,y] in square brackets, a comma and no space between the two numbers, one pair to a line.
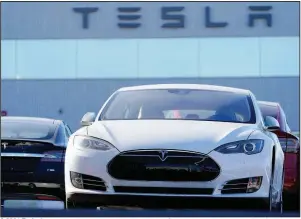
[32,154]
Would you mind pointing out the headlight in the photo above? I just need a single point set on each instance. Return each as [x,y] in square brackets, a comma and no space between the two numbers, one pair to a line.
[249,147]
[85,142]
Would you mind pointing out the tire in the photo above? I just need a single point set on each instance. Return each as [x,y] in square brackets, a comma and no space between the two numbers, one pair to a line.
[62,193]
[278,206]
[292,201]
[59,193]
[74,205]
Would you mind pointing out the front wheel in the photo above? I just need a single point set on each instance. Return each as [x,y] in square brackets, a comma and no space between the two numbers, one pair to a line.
[271,202]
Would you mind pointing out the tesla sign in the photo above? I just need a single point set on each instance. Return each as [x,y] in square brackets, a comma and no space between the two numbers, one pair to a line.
[174,17]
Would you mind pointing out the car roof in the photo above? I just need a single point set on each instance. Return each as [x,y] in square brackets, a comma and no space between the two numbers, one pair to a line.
[186,86]
[268,103]
[31,119]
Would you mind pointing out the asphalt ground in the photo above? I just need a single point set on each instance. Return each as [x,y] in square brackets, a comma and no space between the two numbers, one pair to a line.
[166,207]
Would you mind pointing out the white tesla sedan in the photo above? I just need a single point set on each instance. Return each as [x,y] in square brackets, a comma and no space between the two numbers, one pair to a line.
[175,140]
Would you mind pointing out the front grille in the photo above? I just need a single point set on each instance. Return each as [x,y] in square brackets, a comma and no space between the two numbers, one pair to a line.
[163,190]
[150,165]
[235,186]
[19,164]
[93,183]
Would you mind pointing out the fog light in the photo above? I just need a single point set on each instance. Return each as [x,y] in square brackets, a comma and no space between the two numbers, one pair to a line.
[76,180]
[254,184]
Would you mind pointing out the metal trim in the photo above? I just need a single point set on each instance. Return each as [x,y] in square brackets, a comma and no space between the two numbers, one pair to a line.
[157,156]
[94,185]
[232,189]
[93,180]
[38,185]
[235,184]
[124,154]
[160,149]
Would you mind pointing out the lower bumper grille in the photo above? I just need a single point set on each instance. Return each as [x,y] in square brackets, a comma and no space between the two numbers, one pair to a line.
[235,186]
[163,190]
[149,165]
[244,185]
[93,183]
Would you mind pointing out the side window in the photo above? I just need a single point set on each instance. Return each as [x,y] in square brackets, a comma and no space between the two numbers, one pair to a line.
[126,112]
[61,136]
[67,133]
[68,130]
[288,129]
[284,122]
[262,115]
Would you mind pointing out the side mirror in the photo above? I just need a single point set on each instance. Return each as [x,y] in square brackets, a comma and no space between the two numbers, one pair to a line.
[88,119]
[271,123]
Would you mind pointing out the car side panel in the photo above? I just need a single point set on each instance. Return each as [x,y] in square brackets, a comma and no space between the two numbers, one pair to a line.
[271,140]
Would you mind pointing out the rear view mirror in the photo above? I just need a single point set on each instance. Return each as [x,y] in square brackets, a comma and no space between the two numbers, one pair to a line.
[34,204]
[88,119]
[271,123]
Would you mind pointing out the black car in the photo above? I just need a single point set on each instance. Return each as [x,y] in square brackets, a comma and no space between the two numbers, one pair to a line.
[33,154]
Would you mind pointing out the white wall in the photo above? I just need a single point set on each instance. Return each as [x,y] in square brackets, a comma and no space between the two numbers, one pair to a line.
[150,58]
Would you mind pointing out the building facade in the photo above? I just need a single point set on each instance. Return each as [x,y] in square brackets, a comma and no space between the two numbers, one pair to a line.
[62,59]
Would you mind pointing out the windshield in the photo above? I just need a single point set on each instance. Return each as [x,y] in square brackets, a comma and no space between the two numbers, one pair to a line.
[182,104]
[26,130]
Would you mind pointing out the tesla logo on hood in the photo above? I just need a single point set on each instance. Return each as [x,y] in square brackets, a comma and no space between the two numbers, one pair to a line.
[4,144]
[163,155]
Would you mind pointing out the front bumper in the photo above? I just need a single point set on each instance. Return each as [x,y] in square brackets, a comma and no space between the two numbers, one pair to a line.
[47,180]
[144,200]
[232,166]
[31,177]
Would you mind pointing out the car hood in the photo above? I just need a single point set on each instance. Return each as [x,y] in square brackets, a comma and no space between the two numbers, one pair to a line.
[200,136]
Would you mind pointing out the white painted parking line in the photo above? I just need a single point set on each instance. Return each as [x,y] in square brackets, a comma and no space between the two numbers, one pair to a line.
[119,208]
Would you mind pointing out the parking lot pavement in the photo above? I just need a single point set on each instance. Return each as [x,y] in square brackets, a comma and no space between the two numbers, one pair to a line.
[163,203]
[145,213]
[166,208]
[172,207]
